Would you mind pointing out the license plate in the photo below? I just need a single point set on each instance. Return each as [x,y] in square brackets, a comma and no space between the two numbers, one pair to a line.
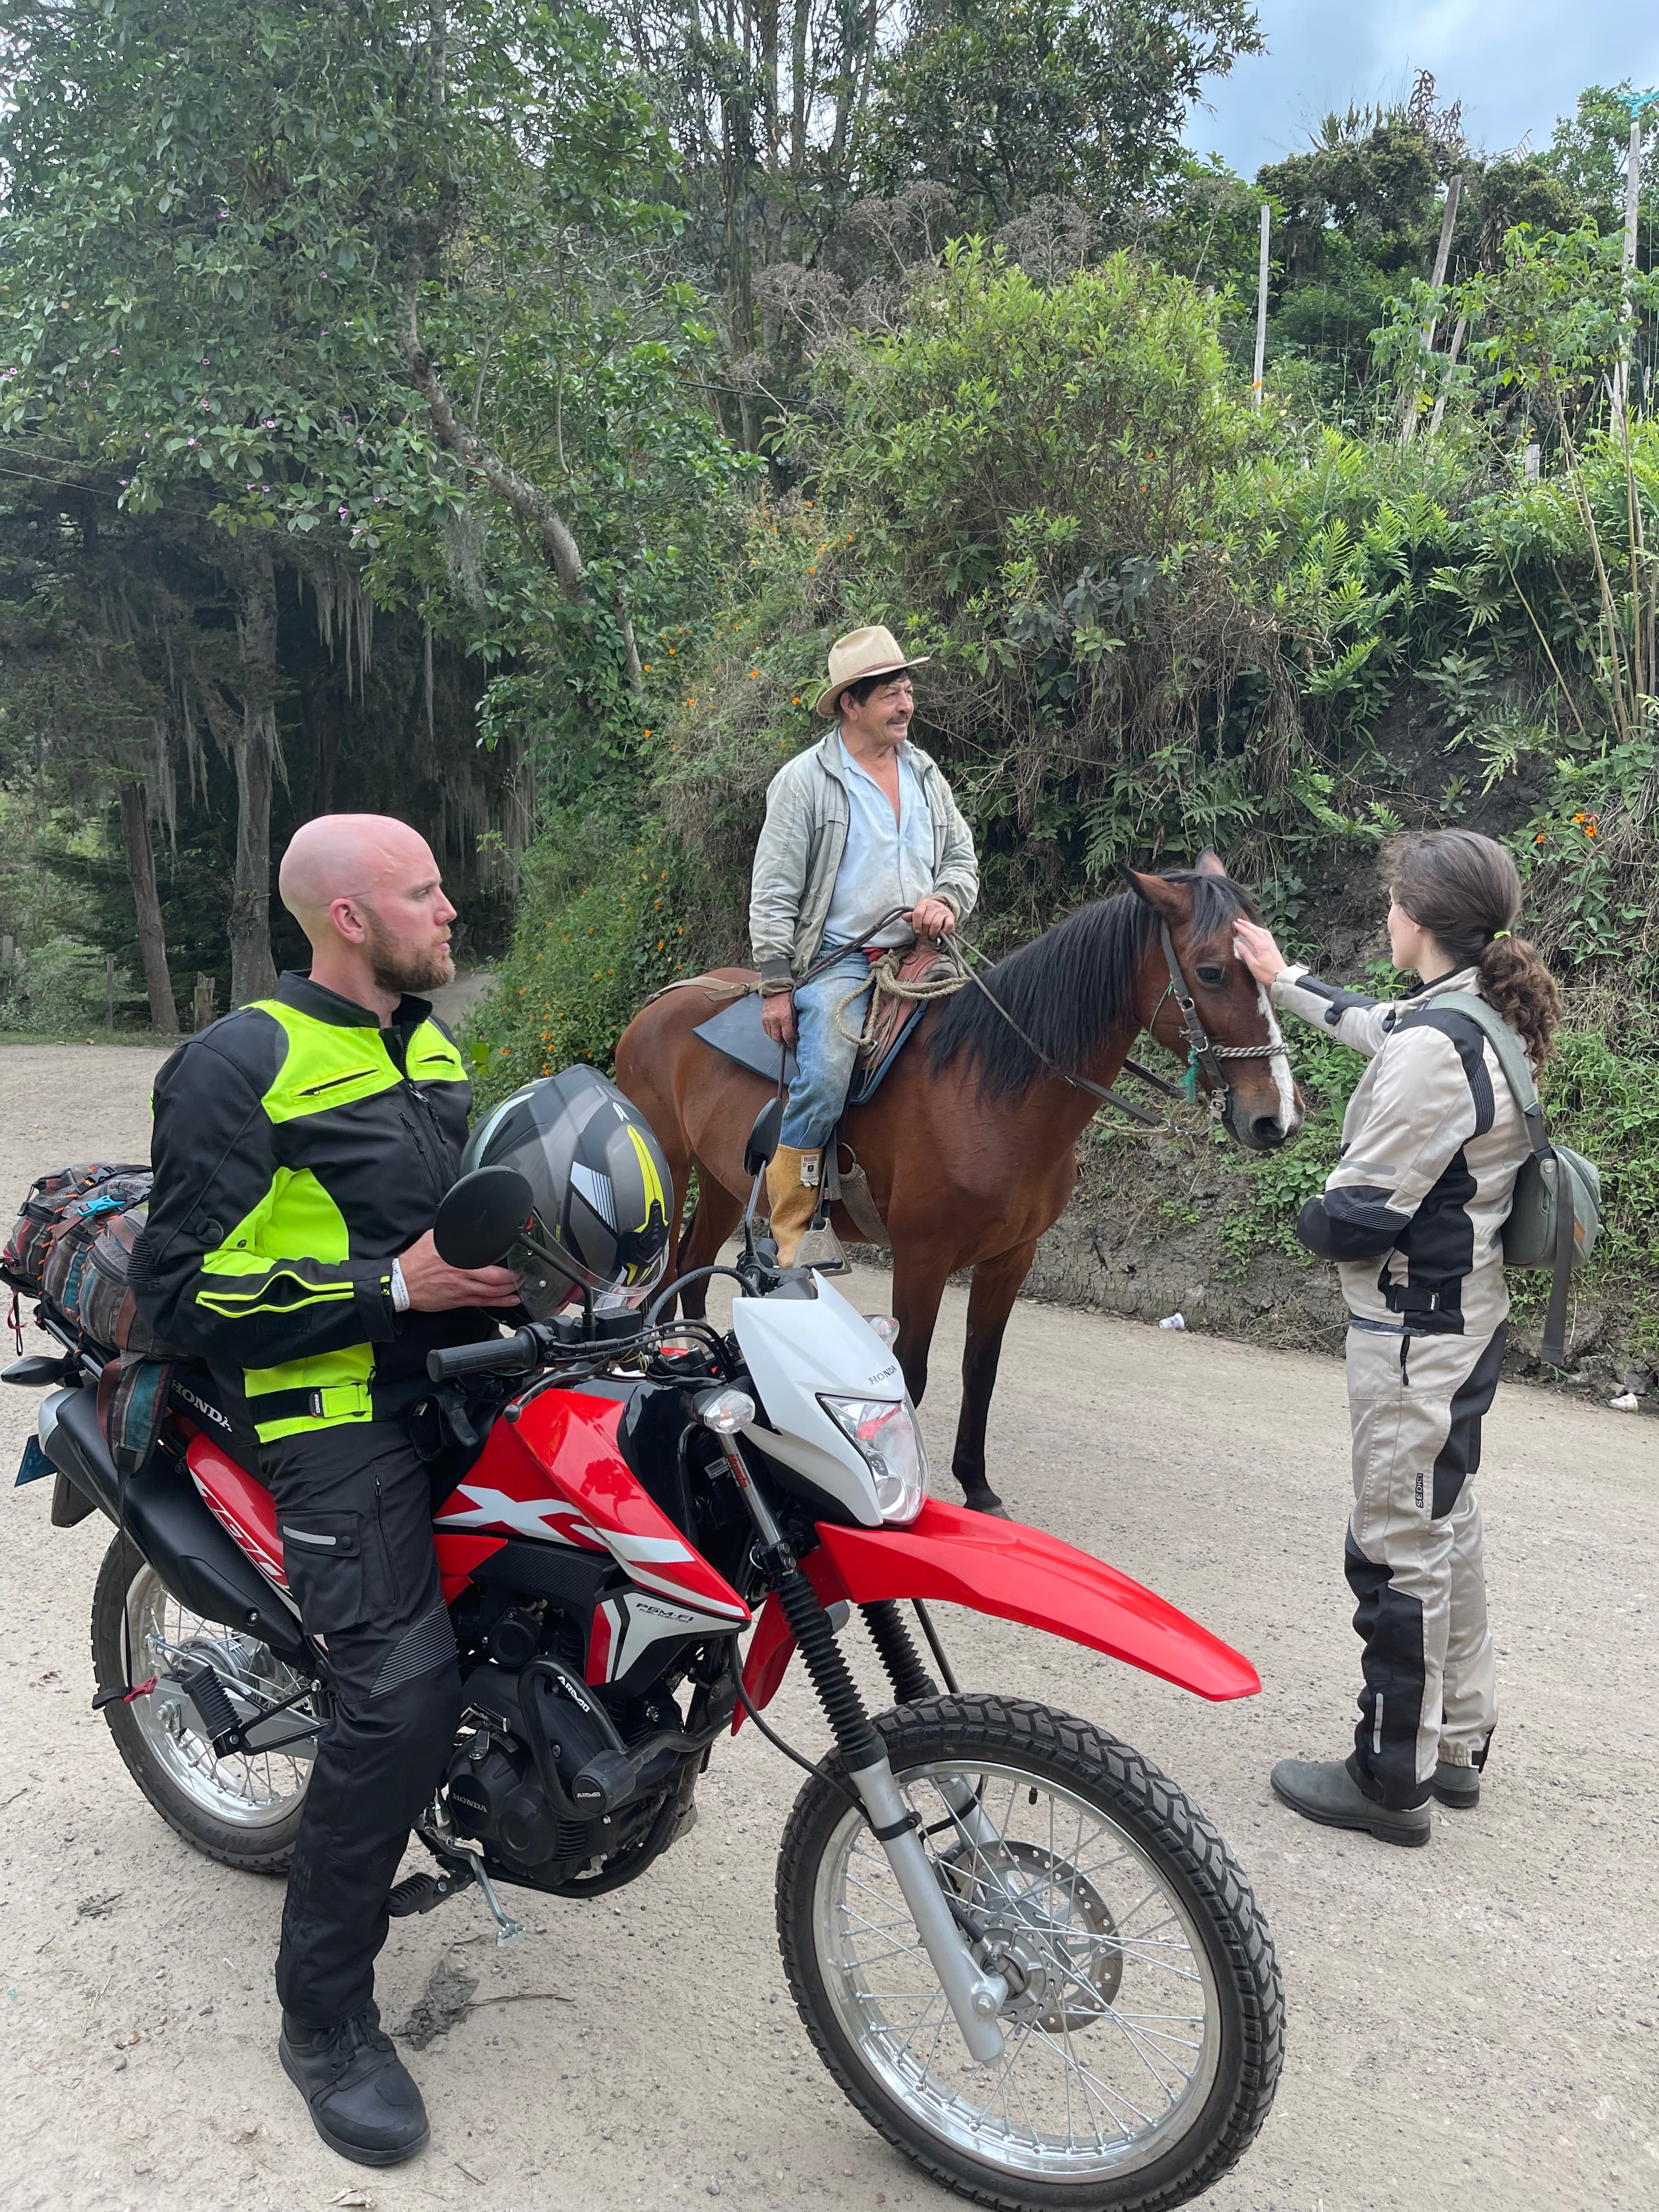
[36,1465]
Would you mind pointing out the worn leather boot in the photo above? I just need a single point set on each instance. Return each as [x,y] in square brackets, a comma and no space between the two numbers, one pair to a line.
[1324,1791]
[791,1199]
[364,2103]
[1457,1786]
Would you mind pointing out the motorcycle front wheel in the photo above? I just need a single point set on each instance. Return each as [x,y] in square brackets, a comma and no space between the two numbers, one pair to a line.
[1144,2025]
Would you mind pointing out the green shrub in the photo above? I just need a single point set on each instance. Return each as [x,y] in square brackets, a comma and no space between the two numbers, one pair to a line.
[598,930]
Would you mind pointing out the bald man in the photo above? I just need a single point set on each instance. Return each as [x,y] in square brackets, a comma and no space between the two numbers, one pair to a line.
[301,1145]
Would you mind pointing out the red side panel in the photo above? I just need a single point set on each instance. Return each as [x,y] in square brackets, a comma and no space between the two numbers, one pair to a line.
[458,1558]
[557,1475]
[238,1503]
[1019,1573]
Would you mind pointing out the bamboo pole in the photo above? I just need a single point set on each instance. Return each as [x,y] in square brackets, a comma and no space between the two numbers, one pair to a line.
[1262,267]
[1442,255]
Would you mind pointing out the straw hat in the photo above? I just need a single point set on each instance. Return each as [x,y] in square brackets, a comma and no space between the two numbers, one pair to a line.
[861,653]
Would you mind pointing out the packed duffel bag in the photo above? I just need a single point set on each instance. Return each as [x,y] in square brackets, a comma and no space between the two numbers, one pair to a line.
[104,1310]
[23,1259]
[87,1274]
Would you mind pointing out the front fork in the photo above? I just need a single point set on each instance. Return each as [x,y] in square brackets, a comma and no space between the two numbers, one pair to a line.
[976,1996]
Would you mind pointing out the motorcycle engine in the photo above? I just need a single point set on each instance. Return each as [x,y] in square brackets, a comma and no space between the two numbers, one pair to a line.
[496,1796]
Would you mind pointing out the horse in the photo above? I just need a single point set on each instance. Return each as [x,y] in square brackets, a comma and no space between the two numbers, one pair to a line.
[969,1146]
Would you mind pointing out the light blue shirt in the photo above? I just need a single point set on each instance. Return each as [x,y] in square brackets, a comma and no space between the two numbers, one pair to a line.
[888,863]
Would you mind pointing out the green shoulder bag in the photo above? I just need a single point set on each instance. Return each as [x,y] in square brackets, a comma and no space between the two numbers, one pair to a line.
[1556,1213]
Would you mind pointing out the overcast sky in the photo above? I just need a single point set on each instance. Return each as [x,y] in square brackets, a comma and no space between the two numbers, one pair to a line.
[1515,66]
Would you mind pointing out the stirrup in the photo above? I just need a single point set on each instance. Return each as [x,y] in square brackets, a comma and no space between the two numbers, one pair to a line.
[821,1248]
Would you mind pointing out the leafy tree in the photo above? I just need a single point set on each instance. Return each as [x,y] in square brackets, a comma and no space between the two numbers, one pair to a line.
[252,249]
[1077,99]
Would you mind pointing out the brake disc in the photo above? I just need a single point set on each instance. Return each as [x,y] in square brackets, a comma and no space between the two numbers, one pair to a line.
[1047,1928]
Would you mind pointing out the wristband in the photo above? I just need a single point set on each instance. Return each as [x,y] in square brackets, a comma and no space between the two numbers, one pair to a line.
[399,1288]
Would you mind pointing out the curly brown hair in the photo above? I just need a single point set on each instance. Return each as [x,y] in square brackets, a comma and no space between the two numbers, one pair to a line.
[1466,891]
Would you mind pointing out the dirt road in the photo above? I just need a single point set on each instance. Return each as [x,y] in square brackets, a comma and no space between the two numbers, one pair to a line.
[1470,2027]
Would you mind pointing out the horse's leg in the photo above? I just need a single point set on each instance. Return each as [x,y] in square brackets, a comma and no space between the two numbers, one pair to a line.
[919,1280]
[716,1216]
[990,1301]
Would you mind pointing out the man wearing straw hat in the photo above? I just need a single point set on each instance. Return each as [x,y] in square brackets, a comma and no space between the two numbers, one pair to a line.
[863,848]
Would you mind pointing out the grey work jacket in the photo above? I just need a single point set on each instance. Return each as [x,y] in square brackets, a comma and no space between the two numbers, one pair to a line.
[800,849]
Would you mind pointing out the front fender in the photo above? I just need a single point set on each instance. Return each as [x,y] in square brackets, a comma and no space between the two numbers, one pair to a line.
[1014,1572]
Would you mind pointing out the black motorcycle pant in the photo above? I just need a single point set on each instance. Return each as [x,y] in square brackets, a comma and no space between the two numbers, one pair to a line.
[355,1507]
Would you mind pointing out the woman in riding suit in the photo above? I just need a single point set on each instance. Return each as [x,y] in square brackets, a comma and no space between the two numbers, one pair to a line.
[1412,1214]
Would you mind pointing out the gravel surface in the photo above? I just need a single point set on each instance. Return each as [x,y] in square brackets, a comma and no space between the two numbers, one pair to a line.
[1472,2026]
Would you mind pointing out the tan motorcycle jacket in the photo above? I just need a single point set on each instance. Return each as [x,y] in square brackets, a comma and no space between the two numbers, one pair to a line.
[1413,1212]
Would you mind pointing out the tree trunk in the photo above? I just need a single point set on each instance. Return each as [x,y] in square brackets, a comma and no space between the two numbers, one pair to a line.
[252,974]
[147,905]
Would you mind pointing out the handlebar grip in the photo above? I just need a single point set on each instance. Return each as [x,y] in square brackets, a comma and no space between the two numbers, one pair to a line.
[508,1352]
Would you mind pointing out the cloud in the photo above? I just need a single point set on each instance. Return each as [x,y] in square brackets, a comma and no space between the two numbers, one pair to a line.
[1514,67]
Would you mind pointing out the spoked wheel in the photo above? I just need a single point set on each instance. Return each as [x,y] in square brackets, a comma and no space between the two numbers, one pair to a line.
[243,1810]
[1144,2022]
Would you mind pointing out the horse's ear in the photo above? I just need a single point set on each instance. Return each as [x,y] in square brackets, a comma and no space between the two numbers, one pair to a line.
[1209,862]
[1169,900]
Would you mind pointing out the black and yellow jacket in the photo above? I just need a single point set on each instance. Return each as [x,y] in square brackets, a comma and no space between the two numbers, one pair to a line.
[298,1149]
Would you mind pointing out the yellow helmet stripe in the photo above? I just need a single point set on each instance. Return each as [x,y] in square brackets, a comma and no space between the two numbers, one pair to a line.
[654,1193]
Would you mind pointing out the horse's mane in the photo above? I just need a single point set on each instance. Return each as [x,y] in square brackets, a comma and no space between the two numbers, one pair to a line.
[1068,988]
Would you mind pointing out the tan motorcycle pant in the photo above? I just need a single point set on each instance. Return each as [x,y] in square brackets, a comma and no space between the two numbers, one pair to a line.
[1414,1554]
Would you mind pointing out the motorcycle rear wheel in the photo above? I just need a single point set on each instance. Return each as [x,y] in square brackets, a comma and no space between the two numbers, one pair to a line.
[243,1810]
[1144,2048]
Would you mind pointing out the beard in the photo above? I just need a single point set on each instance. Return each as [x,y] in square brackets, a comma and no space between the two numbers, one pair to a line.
[397,967]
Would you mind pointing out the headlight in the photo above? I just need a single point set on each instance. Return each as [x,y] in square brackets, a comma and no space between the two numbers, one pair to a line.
[885,1433]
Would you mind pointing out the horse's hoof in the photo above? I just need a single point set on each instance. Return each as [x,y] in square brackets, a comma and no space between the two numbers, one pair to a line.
[987,1502]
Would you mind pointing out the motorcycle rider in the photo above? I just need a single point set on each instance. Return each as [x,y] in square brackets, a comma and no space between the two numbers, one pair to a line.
[301,1145]
[858,825]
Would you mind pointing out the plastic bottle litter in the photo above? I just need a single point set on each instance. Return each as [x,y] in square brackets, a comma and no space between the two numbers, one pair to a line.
[1173,1320]
[1626,1404]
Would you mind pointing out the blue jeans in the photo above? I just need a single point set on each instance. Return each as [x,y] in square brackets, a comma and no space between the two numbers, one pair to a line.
[824,1056]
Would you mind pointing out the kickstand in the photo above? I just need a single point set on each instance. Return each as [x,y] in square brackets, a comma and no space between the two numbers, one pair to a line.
[508,1929]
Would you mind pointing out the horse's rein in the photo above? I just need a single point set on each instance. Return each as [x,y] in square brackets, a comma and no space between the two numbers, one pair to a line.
[1202,1053]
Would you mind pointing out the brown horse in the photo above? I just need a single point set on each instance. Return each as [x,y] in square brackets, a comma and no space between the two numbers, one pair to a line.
[970,1144]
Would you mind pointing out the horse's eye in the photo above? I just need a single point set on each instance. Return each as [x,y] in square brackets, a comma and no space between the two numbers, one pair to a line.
[1215,977]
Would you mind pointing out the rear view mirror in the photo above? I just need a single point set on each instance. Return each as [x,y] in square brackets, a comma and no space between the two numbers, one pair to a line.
[764,1137]
[481,1217]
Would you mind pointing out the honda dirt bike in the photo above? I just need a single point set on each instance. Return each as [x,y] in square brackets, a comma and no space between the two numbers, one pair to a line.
[1026,1958]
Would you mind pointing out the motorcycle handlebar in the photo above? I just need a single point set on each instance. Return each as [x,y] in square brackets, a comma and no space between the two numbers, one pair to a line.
[508,1353]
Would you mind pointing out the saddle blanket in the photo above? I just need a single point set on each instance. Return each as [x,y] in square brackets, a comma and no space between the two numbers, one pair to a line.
[736,1031]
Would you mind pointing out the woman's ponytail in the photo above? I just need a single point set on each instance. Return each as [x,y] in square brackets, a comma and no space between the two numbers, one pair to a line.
[1515,981]
[1466,891]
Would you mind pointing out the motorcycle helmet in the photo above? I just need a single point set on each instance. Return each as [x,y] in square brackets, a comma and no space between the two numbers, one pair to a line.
[600,1187]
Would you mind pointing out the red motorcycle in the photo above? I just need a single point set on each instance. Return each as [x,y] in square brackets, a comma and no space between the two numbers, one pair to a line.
[1025,1956]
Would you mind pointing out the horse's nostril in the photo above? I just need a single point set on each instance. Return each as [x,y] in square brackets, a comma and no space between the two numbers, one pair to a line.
[1266,1131]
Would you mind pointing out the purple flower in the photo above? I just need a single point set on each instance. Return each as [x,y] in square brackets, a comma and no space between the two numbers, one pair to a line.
[342,512]
[265,487]
[125,482]
[224,215]
[206,363]
[189,441]
[271,422]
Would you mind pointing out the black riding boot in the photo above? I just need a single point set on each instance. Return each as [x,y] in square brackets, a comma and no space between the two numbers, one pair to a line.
[364,2103]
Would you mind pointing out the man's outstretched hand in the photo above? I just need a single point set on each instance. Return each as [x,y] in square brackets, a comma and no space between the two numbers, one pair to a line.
[435,1286]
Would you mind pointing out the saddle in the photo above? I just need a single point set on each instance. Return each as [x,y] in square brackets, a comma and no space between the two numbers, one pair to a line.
[891,1018]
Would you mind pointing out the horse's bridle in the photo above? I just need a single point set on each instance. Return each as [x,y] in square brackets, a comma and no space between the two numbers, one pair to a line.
[1201,1052]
